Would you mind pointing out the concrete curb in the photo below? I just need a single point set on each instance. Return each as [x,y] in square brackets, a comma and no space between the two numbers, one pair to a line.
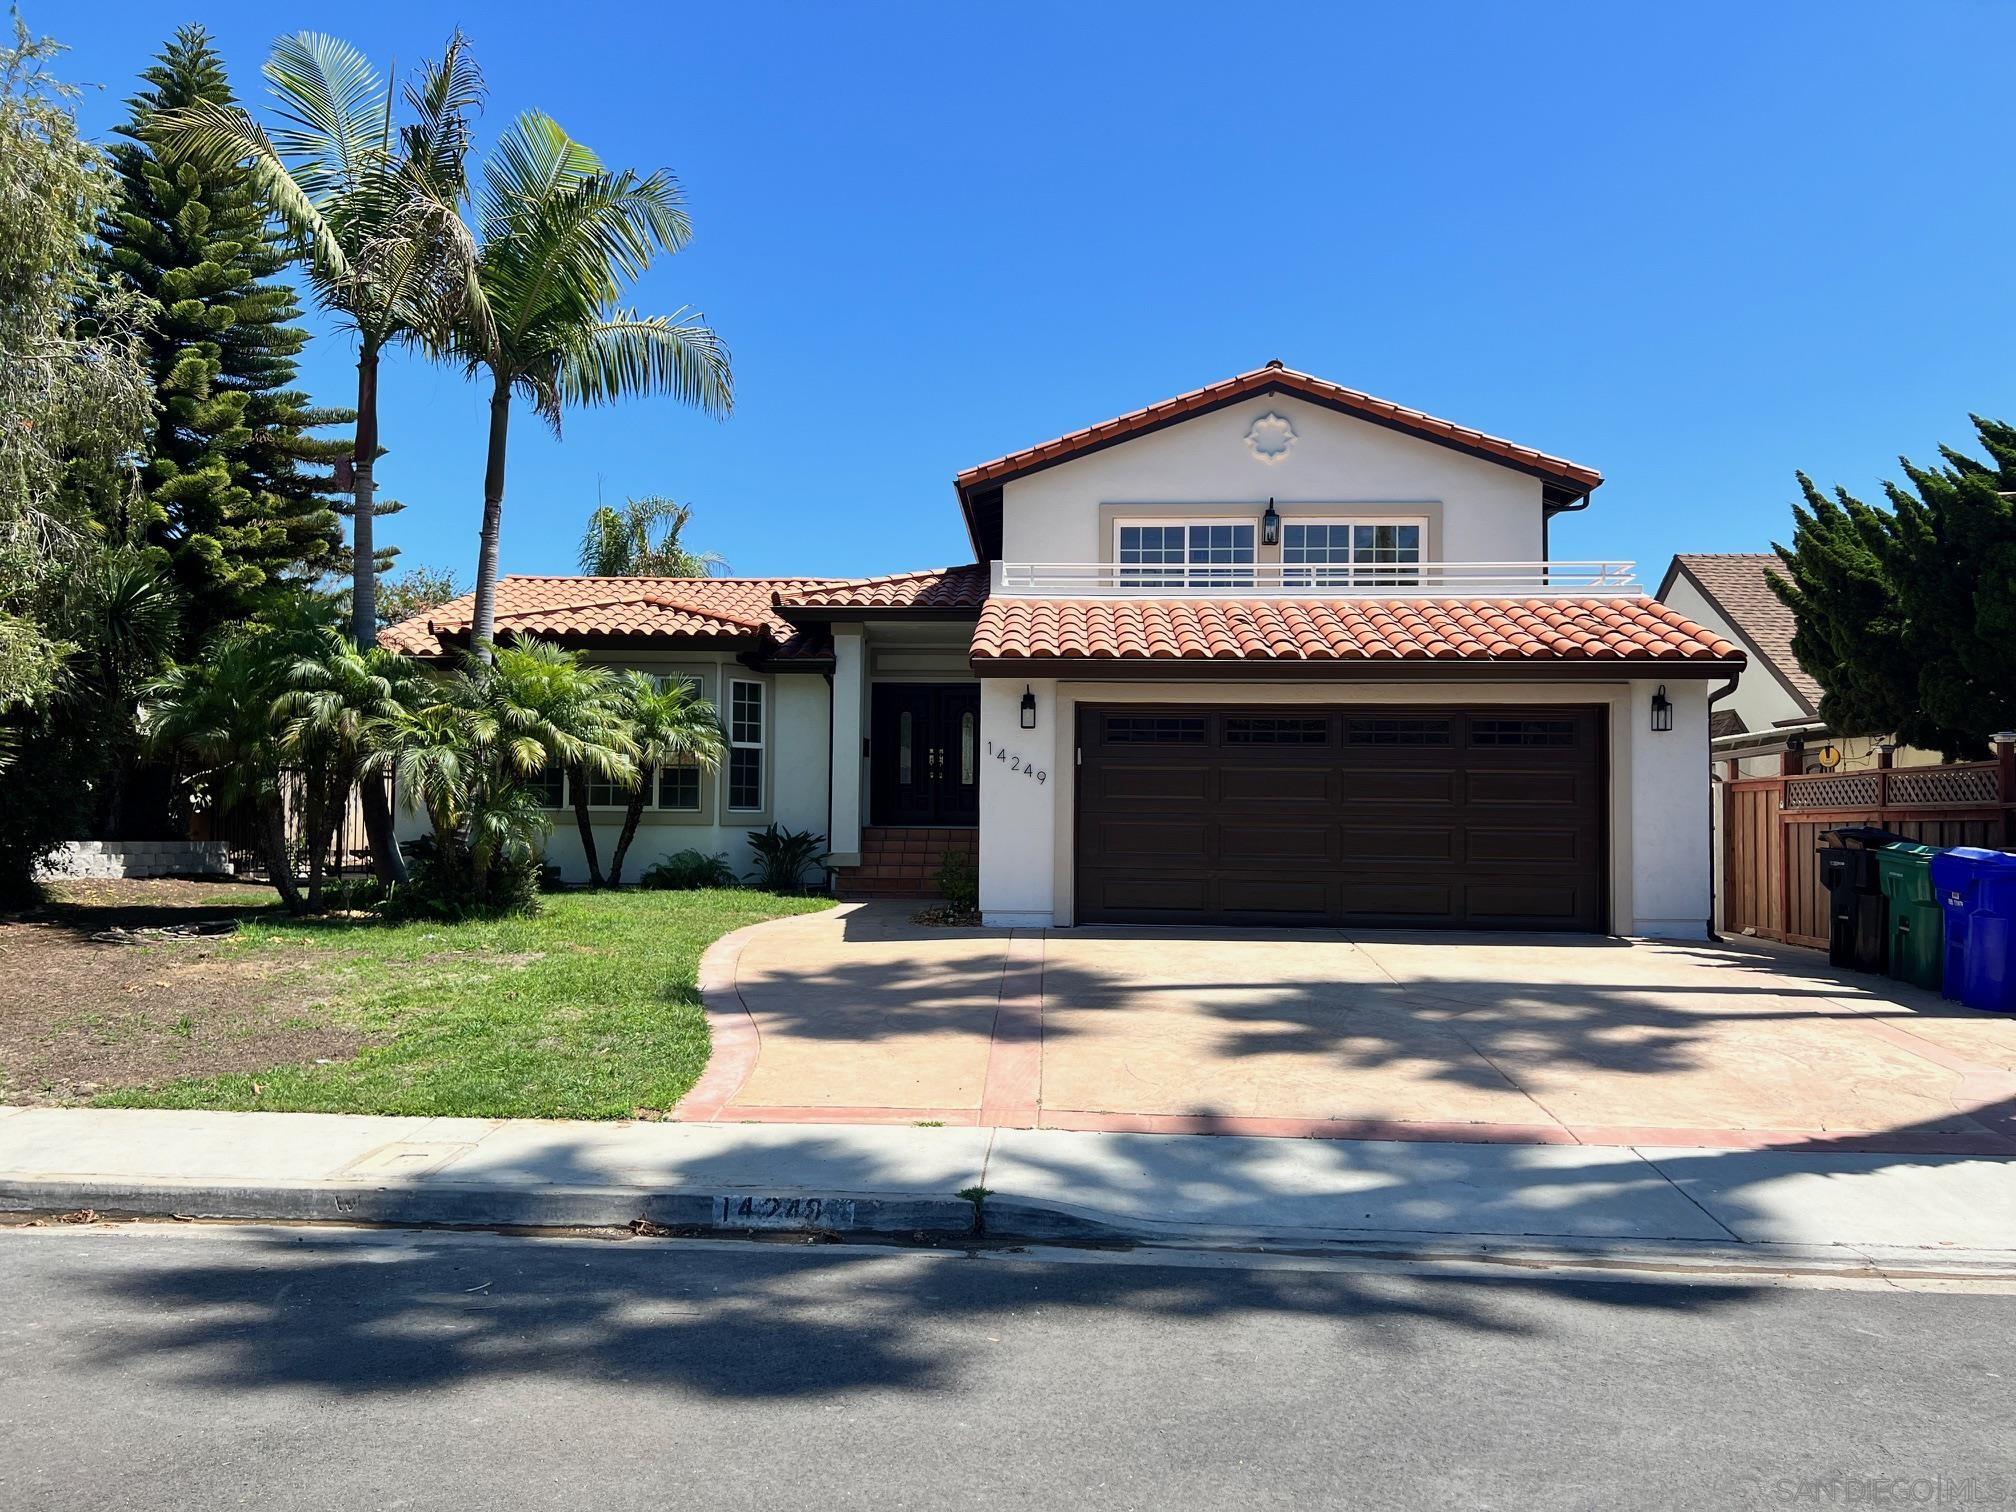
[733,1211]
[946,1218]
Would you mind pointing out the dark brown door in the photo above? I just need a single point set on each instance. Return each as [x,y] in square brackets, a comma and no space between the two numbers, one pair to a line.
[1415,817]
[924,754]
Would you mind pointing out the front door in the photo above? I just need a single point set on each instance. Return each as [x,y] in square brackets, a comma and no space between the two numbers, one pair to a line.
[924,753]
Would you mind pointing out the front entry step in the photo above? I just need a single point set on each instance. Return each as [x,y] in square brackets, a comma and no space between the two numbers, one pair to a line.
[901,861]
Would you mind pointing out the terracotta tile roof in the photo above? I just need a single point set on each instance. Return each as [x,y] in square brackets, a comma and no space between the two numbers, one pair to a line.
[963,587]
[734,613]
[1274,376]
[1332,630]
[1735,582]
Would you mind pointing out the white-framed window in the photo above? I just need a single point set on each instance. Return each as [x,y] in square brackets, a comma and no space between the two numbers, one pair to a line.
[679,788]
[604,794]
[550,785]
[1344,553]
[747,722]
[1185,553]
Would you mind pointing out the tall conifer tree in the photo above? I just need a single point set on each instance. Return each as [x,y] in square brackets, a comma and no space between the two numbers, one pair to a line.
[235,491]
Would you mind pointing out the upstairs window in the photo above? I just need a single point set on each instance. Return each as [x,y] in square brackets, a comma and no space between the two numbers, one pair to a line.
[1350,553]
[1200,554]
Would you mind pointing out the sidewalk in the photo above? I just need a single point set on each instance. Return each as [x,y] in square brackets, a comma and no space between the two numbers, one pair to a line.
[1015,1183]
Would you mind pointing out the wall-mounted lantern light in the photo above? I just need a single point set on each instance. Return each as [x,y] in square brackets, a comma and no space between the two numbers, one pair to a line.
[1028,708]
[1270,526]
[1662,710]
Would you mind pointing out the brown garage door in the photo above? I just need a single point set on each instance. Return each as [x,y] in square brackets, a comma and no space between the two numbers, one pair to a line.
[1437,817]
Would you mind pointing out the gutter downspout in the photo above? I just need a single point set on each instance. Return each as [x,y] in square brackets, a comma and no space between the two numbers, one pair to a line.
[1547,520]
[1714,698]
[833,879]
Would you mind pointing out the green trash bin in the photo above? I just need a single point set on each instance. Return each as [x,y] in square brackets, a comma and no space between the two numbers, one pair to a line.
[1917,925]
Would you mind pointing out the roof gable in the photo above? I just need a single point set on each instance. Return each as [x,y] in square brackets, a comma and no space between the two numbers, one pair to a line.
[1736,584]
[979,487]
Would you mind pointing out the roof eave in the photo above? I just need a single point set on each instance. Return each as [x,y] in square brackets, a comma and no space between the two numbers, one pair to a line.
[826,614]
[1351,669]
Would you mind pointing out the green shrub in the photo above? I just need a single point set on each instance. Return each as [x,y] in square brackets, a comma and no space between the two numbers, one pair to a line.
[687,870]
[435,891]
[784,856]
[959,882]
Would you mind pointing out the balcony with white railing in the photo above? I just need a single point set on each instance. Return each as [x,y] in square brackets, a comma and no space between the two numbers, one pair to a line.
[1478,580]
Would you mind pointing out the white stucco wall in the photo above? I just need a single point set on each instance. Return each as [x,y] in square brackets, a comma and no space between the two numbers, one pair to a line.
[1660,881]
[1489,512]
[1019,812]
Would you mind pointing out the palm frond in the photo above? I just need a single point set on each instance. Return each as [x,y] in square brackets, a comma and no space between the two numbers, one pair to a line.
[436,143]
[335,113]
[533,161]
[629,355]
[213,134]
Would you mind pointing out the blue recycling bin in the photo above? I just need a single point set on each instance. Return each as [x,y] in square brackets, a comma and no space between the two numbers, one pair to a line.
[1976,890]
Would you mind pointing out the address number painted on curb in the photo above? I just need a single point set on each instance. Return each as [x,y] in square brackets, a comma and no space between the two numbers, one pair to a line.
[784,1212]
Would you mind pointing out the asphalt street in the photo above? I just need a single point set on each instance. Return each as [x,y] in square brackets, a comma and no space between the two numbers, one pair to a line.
[146,1367]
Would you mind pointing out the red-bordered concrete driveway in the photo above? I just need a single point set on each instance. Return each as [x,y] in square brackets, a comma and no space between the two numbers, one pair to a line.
[861,1016]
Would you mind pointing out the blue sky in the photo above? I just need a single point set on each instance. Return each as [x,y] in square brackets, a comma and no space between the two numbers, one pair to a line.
[1695,246]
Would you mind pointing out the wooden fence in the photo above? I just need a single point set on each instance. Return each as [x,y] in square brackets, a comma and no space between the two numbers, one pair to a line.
[350,852]
[1771,827]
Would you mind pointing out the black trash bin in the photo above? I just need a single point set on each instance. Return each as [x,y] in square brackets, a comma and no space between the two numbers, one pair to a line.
[1858,918]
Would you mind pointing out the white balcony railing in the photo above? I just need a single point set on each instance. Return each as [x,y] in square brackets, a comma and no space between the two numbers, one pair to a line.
[1286,580]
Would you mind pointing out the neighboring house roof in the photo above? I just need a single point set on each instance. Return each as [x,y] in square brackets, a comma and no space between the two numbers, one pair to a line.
[977,485]
[954,591]
[737,614]
[1735,583]
[1283,634]
[1725,722]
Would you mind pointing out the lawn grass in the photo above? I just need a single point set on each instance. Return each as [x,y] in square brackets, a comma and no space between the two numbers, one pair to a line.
[587,1010]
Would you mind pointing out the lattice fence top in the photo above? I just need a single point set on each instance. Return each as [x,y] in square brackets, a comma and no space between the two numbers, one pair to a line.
[1948,785]
[1908,787]
[1843,791]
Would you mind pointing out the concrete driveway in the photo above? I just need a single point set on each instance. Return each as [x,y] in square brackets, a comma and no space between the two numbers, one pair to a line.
[861,1015]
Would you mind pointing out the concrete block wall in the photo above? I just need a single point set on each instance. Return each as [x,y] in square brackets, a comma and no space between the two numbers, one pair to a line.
[103,859]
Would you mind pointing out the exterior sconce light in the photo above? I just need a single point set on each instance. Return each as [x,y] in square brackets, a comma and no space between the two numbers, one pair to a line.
[1028,708]
[1662,710]
[1270,526]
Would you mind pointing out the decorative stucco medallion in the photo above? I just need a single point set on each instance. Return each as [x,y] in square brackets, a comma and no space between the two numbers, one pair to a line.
[1269,437]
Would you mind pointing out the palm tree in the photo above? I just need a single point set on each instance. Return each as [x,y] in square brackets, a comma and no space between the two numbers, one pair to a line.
[339,704]
[216,715]
[561,236]
[672,725]
[642,540]
[120,614]
[376,208]
[468,755]
[576,713]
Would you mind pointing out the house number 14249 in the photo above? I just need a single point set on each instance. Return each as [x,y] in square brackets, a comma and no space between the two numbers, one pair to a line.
[1016,763]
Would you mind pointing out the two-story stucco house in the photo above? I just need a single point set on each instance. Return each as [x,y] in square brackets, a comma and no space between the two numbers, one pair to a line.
[1273,652]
